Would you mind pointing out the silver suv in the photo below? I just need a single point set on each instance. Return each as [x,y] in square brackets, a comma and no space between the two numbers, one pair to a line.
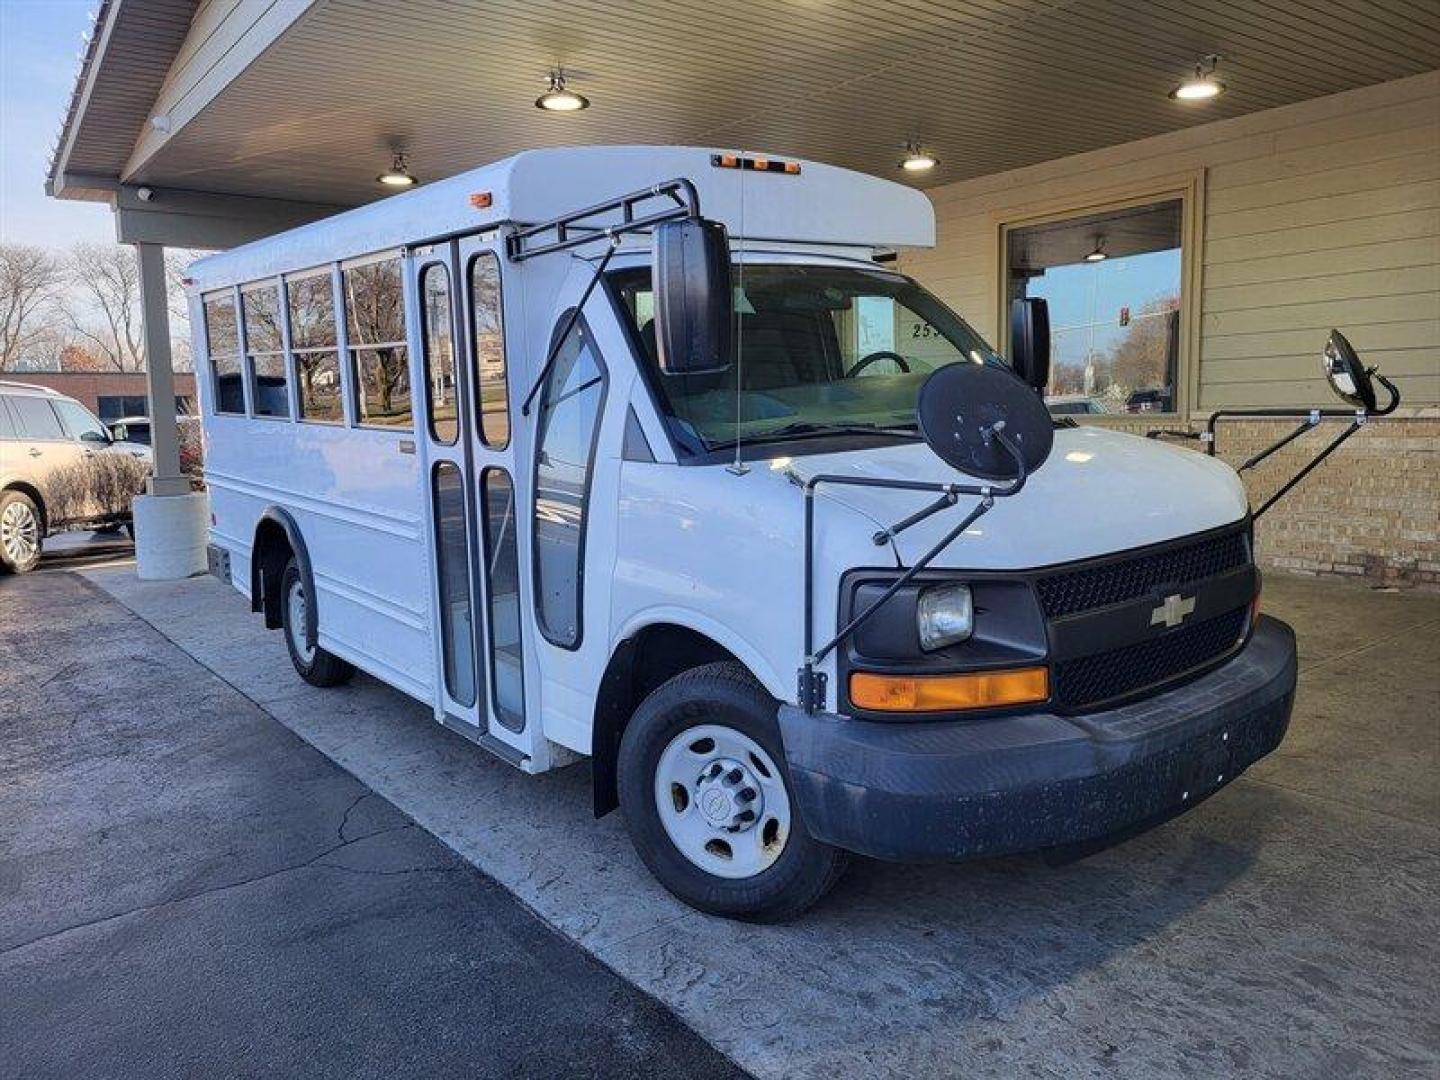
[59,469]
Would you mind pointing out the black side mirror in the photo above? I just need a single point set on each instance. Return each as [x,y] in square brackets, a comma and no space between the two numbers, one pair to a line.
[1030,341]
[694,321]
[1347,375]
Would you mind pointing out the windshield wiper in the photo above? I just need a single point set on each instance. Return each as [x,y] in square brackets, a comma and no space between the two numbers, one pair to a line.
[803,429]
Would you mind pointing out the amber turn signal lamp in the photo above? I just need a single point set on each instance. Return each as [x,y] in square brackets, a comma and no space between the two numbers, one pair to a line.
[937,693]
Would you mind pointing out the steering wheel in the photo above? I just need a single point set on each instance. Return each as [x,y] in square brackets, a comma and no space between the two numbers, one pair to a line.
[878,354]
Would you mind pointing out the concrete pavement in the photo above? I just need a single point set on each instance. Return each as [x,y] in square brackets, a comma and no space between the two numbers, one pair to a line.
[187,888]
[1287,927]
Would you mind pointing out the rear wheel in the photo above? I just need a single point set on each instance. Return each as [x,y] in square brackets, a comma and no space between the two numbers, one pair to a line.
[708,804]
[21,534]
[315,665]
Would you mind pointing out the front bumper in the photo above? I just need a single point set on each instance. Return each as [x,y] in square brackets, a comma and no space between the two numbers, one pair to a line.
[950,790]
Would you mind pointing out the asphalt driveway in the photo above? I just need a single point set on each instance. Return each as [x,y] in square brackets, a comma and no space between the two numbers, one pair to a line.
[187,888]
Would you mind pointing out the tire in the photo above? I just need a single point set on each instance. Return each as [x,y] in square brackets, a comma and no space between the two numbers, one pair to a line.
[316,666]
[755,870]
[22,532]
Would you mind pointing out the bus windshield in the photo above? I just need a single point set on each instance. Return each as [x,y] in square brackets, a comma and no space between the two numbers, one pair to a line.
[822,350]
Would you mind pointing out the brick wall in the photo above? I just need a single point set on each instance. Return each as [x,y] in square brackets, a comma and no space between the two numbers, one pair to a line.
[1370,511]
[87,387]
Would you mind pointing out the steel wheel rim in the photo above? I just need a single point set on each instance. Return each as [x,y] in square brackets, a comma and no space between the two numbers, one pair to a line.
[295,602]
[19,533]
[702,781]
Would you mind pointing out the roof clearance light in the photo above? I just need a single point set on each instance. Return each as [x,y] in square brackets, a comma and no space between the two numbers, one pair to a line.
[755,164]
[398,175]
[481,200]
[559,99]
[1203,86]
[917,159]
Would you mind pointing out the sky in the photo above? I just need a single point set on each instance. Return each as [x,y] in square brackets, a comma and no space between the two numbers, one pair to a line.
[40,45]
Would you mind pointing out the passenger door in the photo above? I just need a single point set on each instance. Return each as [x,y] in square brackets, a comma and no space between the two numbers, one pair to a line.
[493,393]
[111,481]
[449,488]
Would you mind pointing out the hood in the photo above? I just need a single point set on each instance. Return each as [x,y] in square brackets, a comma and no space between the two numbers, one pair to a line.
[1099,492]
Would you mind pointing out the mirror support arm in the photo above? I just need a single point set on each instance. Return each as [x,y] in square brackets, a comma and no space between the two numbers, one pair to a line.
[811,688]
[561,337]
[1355,425]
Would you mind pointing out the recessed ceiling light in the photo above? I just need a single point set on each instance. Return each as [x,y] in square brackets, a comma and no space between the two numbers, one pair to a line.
[918,160]
[1098,254]
[398,175]
[1203,85]
[559,99]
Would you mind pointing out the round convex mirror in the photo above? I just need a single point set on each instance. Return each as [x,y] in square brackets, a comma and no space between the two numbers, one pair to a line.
[1348,377]
[957,411]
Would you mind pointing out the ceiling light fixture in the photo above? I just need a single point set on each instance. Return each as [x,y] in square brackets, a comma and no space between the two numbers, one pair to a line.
[1097,255]
[918,160]
[1203,86]
[398,175]
[559,99]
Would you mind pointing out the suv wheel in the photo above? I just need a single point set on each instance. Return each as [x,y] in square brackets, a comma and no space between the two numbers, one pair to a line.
[315,665]
[21,535]
[707,800]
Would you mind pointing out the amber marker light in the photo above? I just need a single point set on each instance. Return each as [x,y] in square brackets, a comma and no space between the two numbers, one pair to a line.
[941,693]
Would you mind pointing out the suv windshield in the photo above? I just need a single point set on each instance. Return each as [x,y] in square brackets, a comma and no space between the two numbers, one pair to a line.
[822,350]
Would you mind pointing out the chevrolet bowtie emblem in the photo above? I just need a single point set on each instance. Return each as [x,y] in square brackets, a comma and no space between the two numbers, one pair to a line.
[1173,610]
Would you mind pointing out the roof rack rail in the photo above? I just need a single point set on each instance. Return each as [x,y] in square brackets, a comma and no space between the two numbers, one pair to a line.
[682,202]
[14,384]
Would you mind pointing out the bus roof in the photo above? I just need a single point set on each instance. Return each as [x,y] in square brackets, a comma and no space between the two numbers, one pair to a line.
[821,204]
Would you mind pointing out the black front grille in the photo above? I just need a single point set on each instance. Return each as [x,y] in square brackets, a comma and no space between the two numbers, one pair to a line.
[1144,574]
[1090,680]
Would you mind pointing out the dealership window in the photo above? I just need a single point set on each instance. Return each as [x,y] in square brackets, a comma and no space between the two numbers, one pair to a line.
[1113,282]
[222,342]
[375,326]
[310,298]
[265,349]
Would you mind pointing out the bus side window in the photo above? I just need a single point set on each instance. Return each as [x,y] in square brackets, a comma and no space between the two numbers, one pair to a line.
[222,342]
[265,348]
[375,326]
[569,421]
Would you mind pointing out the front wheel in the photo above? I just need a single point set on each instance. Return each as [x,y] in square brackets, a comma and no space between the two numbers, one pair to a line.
[708,805]
[315,665]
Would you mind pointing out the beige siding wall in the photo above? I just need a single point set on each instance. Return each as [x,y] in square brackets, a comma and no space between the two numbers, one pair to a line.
[1321,214]
[1316,215]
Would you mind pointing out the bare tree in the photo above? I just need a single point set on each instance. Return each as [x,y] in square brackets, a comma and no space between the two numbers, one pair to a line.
[104,303]
[30,279]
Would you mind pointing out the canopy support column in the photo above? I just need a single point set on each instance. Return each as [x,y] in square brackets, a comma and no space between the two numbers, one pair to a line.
[170,519]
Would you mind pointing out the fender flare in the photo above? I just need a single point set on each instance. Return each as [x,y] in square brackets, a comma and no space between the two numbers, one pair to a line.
[280,516]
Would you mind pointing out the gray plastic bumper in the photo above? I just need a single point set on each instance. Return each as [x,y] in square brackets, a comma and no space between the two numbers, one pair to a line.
[954,789]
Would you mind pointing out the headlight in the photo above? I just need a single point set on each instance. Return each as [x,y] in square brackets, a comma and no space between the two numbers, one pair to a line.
[945,614]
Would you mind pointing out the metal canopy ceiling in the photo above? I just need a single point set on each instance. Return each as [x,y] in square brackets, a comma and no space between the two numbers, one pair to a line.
[988,85]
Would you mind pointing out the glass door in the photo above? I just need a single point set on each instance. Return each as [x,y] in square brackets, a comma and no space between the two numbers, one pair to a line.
[493,399]
[449,487]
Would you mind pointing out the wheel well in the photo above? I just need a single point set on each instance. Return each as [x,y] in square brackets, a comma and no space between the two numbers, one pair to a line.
[268,559]
[34,495]
[639,665]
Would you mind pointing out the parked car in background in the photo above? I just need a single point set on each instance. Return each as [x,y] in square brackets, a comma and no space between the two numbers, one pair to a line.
[1154,400]
[60,468]
[1074,405]
[136,429]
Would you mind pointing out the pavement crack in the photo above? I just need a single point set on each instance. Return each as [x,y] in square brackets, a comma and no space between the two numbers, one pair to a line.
[139,909]
[345,818]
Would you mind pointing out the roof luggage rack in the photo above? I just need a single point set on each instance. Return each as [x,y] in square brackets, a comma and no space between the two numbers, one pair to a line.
[681,201]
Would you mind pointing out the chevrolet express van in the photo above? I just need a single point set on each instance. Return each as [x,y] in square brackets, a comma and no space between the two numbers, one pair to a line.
[613,453]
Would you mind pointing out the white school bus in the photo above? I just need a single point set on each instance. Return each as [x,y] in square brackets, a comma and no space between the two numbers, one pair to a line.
[646,455]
